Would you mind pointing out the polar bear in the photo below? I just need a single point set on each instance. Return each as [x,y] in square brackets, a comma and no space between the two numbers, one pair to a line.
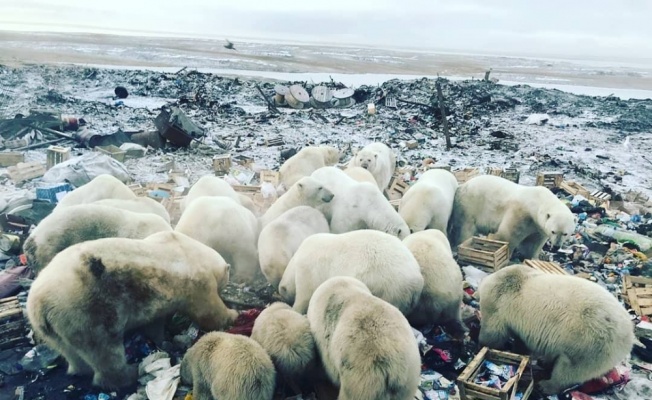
[228,367]
[524,216]
[286,336]
[358,205]
[83,222]
[306,192]
[378,159]
[222,224]
[428,204]
[366,345]
[210,185]
[280,239]
[360,174]
[306,161]
[441,298]
[101,187]
[573,325]
[378,259]
[138,205]
[92,292]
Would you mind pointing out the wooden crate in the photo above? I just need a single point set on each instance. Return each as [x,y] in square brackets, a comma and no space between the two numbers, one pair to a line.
[222,164]
[494,171]
[138,189]
[22,172]
[411,144]
[253,192]
[57,155]
[438,166]
[395,203]
[397,188]
[489,255]
[511,174]
[112,151]
[637,292]
[574,188]
[173,207]
[243,160]
[546,266]
[13,326]
[277,141]
[11,158]
[273,177]
[463,175]
[470,390]
[601,199]
[550,180]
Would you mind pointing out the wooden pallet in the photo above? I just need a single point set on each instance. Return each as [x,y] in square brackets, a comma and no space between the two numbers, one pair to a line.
[22,172]
[489,255]
[521,382]
[574,188]
[637,292]
[550,180]
[13,326]
[545,266]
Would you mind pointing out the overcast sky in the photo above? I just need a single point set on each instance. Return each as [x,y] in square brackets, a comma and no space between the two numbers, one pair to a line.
[580,28]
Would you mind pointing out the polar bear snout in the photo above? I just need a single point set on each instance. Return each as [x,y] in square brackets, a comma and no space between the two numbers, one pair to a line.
[327,197]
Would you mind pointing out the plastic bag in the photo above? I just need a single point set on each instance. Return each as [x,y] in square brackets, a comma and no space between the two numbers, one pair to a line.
[79,171]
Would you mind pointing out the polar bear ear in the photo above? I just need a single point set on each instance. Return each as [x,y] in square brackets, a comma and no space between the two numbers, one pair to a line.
[376,155]
[548,216]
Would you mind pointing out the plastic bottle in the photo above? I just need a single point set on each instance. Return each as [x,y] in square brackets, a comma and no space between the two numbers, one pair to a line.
[643,242]
[38,358]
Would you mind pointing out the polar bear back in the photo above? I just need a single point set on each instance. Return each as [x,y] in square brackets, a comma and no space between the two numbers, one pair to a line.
[101,187]
[138,205]
[280,239]
[209,185]
[361,175]
[306,161]
[366,345]
[428,203]
[379,260]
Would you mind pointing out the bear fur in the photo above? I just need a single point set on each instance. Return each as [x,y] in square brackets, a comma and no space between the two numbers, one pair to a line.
[366,345]
[573,325]
[378,159]
[378,259]
[210,185]
[428,203]
[222,224]
[138,205]
[228,367]
[280,239]
[524,216]
[360,174]
[103,186]
[83,222]
[286,336]
[305,162]
[358,205]
[306,192]
[92,292]
[441,298]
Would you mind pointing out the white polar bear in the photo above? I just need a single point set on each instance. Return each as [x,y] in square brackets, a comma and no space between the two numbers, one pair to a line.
[571,324]
[280,239]
[285,335]
[360,175]
[306,161]
[224,225]
[358,205]
[378,259]
[524,216]
[84,222]
[210,185]
[366,345]
[441,298]
[306,192]
[428,203]
[137,205]
[379,159]
[101,187]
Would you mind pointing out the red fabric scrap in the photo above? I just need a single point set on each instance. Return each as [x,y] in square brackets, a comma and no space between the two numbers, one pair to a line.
[244,324]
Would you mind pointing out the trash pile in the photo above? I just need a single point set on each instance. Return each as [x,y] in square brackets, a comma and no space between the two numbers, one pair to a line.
[161,131]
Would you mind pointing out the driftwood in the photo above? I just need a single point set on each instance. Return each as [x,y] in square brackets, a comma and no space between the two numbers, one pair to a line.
[271,106]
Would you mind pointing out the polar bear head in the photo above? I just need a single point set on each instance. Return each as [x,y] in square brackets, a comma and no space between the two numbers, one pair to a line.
[367,159]
[312,191]
[559,227]
[331,155]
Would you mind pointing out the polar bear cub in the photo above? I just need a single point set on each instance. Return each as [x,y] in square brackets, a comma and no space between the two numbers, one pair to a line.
[428,203]
[228,367]
[366,345]
[378,159]
[378,259]
[280,239]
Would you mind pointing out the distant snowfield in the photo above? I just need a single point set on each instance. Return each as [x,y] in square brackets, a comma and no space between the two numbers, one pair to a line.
[355,80]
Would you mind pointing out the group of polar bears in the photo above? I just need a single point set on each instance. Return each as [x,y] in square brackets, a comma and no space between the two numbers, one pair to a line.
[354,275]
